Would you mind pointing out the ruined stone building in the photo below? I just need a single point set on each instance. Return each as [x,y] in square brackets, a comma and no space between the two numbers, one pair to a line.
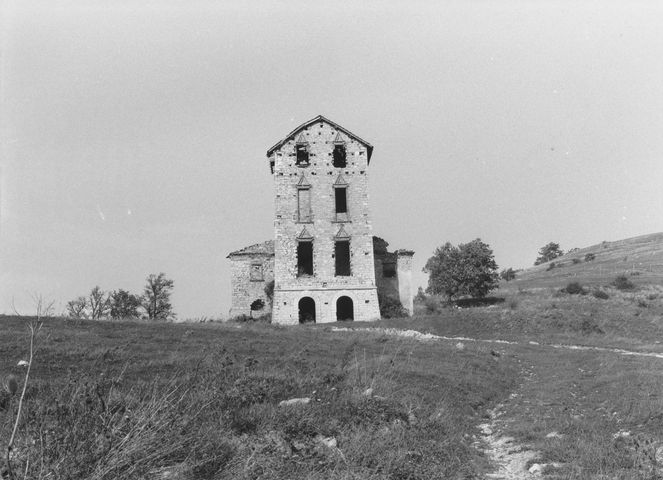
[324,262]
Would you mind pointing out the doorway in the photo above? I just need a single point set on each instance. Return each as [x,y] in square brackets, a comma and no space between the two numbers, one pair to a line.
[306,310]
[344,309]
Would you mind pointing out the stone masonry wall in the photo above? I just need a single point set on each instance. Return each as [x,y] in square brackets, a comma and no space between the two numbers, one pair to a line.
[404,273]
[244,289]
[323,286]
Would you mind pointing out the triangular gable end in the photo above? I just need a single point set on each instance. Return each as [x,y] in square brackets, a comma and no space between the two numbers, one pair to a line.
[304,235]
[340,180]
[298,134]
[342,234]
[303,182]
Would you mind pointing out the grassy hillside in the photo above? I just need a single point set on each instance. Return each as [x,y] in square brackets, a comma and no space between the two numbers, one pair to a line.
[641,258]
[134,400]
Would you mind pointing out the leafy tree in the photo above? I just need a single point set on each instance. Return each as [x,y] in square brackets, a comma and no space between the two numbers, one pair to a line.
[77,308]
[156,300]
[508,274]
[468,269]
[99,303]
[124,304]
[548,252]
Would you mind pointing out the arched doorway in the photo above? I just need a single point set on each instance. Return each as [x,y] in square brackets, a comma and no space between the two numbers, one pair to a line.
[344,309]
[306,310]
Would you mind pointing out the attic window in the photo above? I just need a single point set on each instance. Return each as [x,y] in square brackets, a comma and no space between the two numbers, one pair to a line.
[302,156]
[339,156]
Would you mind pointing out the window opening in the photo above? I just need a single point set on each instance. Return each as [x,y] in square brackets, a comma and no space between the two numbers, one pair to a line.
[341,199]
[342,257]
[344,309]
[256,272]
[302,155]
[304,258]
[304,205]
[339,156]
[306,310]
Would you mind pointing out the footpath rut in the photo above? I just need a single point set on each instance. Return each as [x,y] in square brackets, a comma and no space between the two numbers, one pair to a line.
[510,459]
[429,336]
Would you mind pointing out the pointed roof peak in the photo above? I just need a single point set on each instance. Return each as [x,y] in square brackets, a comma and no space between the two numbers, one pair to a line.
[321,118]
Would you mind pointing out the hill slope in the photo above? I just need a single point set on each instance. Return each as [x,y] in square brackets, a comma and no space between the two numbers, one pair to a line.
[639,257]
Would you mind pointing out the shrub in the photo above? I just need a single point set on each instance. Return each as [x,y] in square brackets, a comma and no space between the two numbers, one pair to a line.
[589,325]
[574,288]
[642,303]
[600,294]
[548,252]
[508,274]
[432,305]
[391,307]
[623,283]
[589,257]
[576,261]
[551,266]
[420,296]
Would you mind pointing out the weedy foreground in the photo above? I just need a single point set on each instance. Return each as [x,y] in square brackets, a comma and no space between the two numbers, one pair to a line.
[135,400]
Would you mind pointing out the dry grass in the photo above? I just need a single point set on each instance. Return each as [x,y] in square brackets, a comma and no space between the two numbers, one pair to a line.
[640,258]
[131,401]
[627,319]
[588,399]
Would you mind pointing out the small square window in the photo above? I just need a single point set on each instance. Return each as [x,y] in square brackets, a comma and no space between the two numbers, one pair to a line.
[255,274]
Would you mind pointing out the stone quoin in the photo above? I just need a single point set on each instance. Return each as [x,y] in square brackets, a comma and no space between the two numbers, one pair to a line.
[324,262]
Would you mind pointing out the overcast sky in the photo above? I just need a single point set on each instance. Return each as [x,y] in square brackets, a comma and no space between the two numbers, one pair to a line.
[134,132]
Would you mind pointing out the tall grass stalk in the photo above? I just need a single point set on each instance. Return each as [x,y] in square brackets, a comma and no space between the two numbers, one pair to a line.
[34,325]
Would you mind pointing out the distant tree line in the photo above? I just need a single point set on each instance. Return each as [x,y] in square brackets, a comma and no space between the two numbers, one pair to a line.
[153,304]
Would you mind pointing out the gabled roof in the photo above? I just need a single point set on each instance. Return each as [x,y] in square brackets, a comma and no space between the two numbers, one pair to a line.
[264,248]
[369,147]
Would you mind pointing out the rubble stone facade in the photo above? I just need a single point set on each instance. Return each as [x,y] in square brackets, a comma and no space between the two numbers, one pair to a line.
[251,270]
[323,264]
